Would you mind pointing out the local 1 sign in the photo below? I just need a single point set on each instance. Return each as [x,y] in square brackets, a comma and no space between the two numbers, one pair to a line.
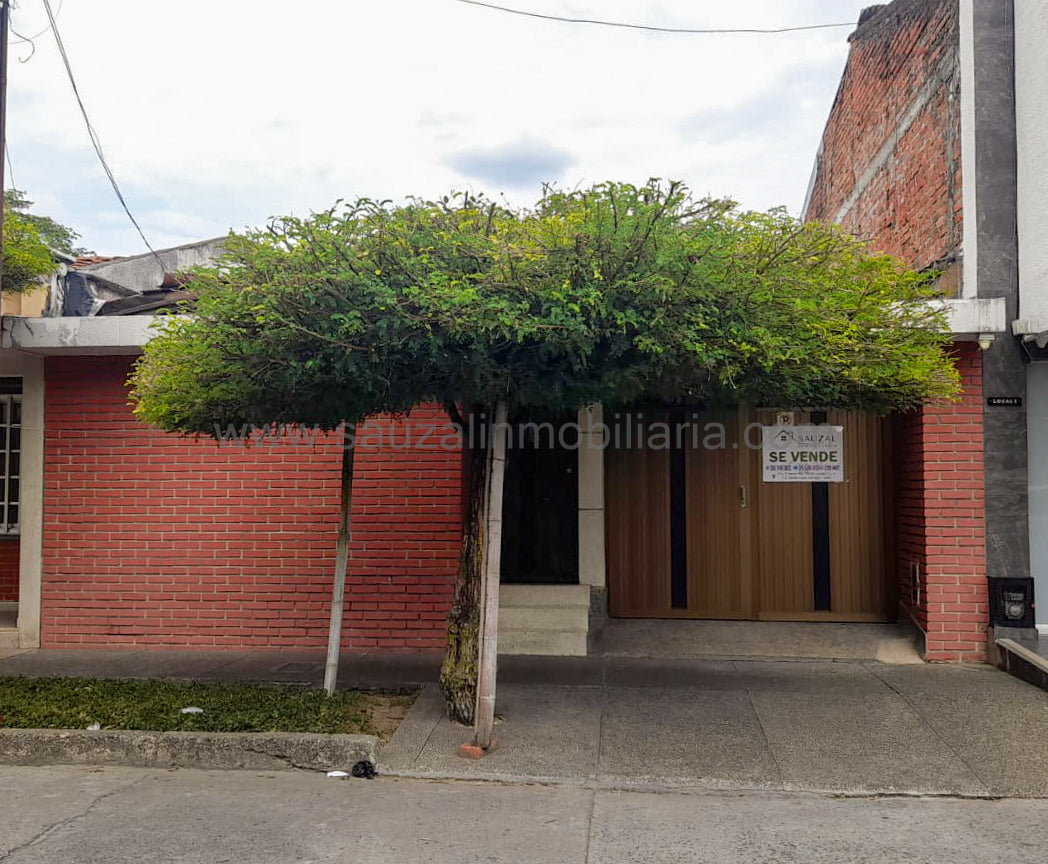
[803,454]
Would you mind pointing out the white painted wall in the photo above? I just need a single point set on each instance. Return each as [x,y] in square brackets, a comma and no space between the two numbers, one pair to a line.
[1031,110]
[1037,429]
[969,205]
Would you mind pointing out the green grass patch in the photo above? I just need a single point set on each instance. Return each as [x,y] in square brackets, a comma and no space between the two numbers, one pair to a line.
[76,703]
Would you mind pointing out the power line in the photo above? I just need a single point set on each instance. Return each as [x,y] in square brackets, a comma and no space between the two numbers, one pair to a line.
[94,136]
[35,36]
[651,27]
[10,166]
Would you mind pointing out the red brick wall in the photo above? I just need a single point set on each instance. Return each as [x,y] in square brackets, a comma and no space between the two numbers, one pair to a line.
[909,196]
[8,570]
[889,171]
[940,527]
[160,541]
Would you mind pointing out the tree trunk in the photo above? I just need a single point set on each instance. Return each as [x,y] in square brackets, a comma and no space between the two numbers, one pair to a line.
[489,613]
[338,591]
[458,674]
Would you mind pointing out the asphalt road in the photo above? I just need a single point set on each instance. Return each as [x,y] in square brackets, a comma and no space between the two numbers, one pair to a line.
[85,815]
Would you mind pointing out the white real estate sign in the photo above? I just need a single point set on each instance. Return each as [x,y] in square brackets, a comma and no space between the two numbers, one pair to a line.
[803,454]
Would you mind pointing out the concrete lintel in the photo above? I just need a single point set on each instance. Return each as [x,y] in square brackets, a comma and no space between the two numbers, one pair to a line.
[971,318]
[118,334]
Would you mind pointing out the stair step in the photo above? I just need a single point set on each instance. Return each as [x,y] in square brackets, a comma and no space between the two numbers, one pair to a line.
[8,639]
[544,595]
[544,618]
[557,643]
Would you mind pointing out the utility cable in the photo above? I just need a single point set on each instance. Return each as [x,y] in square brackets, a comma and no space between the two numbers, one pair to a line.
[651,27]
[94,136]
[10,167]
[35,36]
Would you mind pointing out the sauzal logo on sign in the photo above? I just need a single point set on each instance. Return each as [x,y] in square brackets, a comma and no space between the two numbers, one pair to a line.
[803,454]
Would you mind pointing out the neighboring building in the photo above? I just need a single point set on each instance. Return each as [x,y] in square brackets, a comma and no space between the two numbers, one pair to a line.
[1031,324]
[919,156]
[26,305]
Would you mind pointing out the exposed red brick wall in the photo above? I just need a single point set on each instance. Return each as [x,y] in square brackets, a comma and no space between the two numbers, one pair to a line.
[8,570]
[889,171]
[160,541]
[909,203]
[941,529]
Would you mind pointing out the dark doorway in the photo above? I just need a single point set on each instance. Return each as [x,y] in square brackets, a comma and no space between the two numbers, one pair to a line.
[540,523]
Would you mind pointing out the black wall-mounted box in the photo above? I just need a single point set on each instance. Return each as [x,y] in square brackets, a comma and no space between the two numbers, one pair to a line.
[1011,602]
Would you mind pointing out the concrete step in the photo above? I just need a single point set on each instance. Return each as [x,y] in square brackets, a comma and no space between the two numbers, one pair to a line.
[559,643]
[544,595]
[544,618]
[8,638]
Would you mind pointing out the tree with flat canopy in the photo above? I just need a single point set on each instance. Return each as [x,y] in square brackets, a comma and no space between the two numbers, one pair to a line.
[614,294]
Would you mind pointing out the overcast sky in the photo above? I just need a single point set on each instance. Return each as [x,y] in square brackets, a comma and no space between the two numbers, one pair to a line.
[217,114]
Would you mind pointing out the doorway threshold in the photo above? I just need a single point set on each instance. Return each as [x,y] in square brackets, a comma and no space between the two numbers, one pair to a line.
[765,640]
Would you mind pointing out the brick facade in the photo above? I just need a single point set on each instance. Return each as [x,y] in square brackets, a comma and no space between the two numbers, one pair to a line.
[155,540]
[940,528]
[8,570]
[889,170]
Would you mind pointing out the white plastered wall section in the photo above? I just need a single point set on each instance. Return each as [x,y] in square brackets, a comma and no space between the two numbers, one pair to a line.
[969,204]
[1031,110]
[1037,431]
[31,511]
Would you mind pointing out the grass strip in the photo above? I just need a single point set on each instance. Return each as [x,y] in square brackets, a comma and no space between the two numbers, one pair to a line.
[76,703]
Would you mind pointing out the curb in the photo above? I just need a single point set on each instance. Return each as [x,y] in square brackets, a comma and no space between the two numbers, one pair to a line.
[255,751]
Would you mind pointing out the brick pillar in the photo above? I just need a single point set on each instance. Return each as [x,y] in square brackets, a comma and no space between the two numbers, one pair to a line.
[940,519]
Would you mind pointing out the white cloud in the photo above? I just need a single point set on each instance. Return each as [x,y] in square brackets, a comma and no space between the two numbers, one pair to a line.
[220,113]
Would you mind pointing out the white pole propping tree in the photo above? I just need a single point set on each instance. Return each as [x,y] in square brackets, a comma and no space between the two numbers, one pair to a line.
[616,294]
[484,724]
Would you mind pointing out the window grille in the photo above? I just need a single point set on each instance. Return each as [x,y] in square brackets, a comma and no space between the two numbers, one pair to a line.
[10,461]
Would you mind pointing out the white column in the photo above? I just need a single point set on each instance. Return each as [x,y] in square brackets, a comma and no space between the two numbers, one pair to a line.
[31,512]
[591,496]
[970,232]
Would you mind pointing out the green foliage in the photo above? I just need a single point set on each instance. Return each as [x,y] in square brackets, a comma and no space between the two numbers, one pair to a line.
[54,235]
[75,703]
[614,294]
[26,258]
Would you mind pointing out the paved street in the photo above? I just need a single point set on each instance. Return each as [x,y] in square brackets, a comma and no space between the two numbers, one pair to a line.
[85,816]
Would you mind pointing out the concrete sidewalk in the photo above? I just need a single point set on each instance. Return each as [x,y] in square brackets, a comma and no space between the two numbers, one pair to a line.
[609,721]
[853,728]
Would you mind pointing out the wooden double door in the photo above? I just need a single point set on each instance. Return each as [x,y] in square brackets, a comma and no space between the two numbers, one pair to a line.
[693,532]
